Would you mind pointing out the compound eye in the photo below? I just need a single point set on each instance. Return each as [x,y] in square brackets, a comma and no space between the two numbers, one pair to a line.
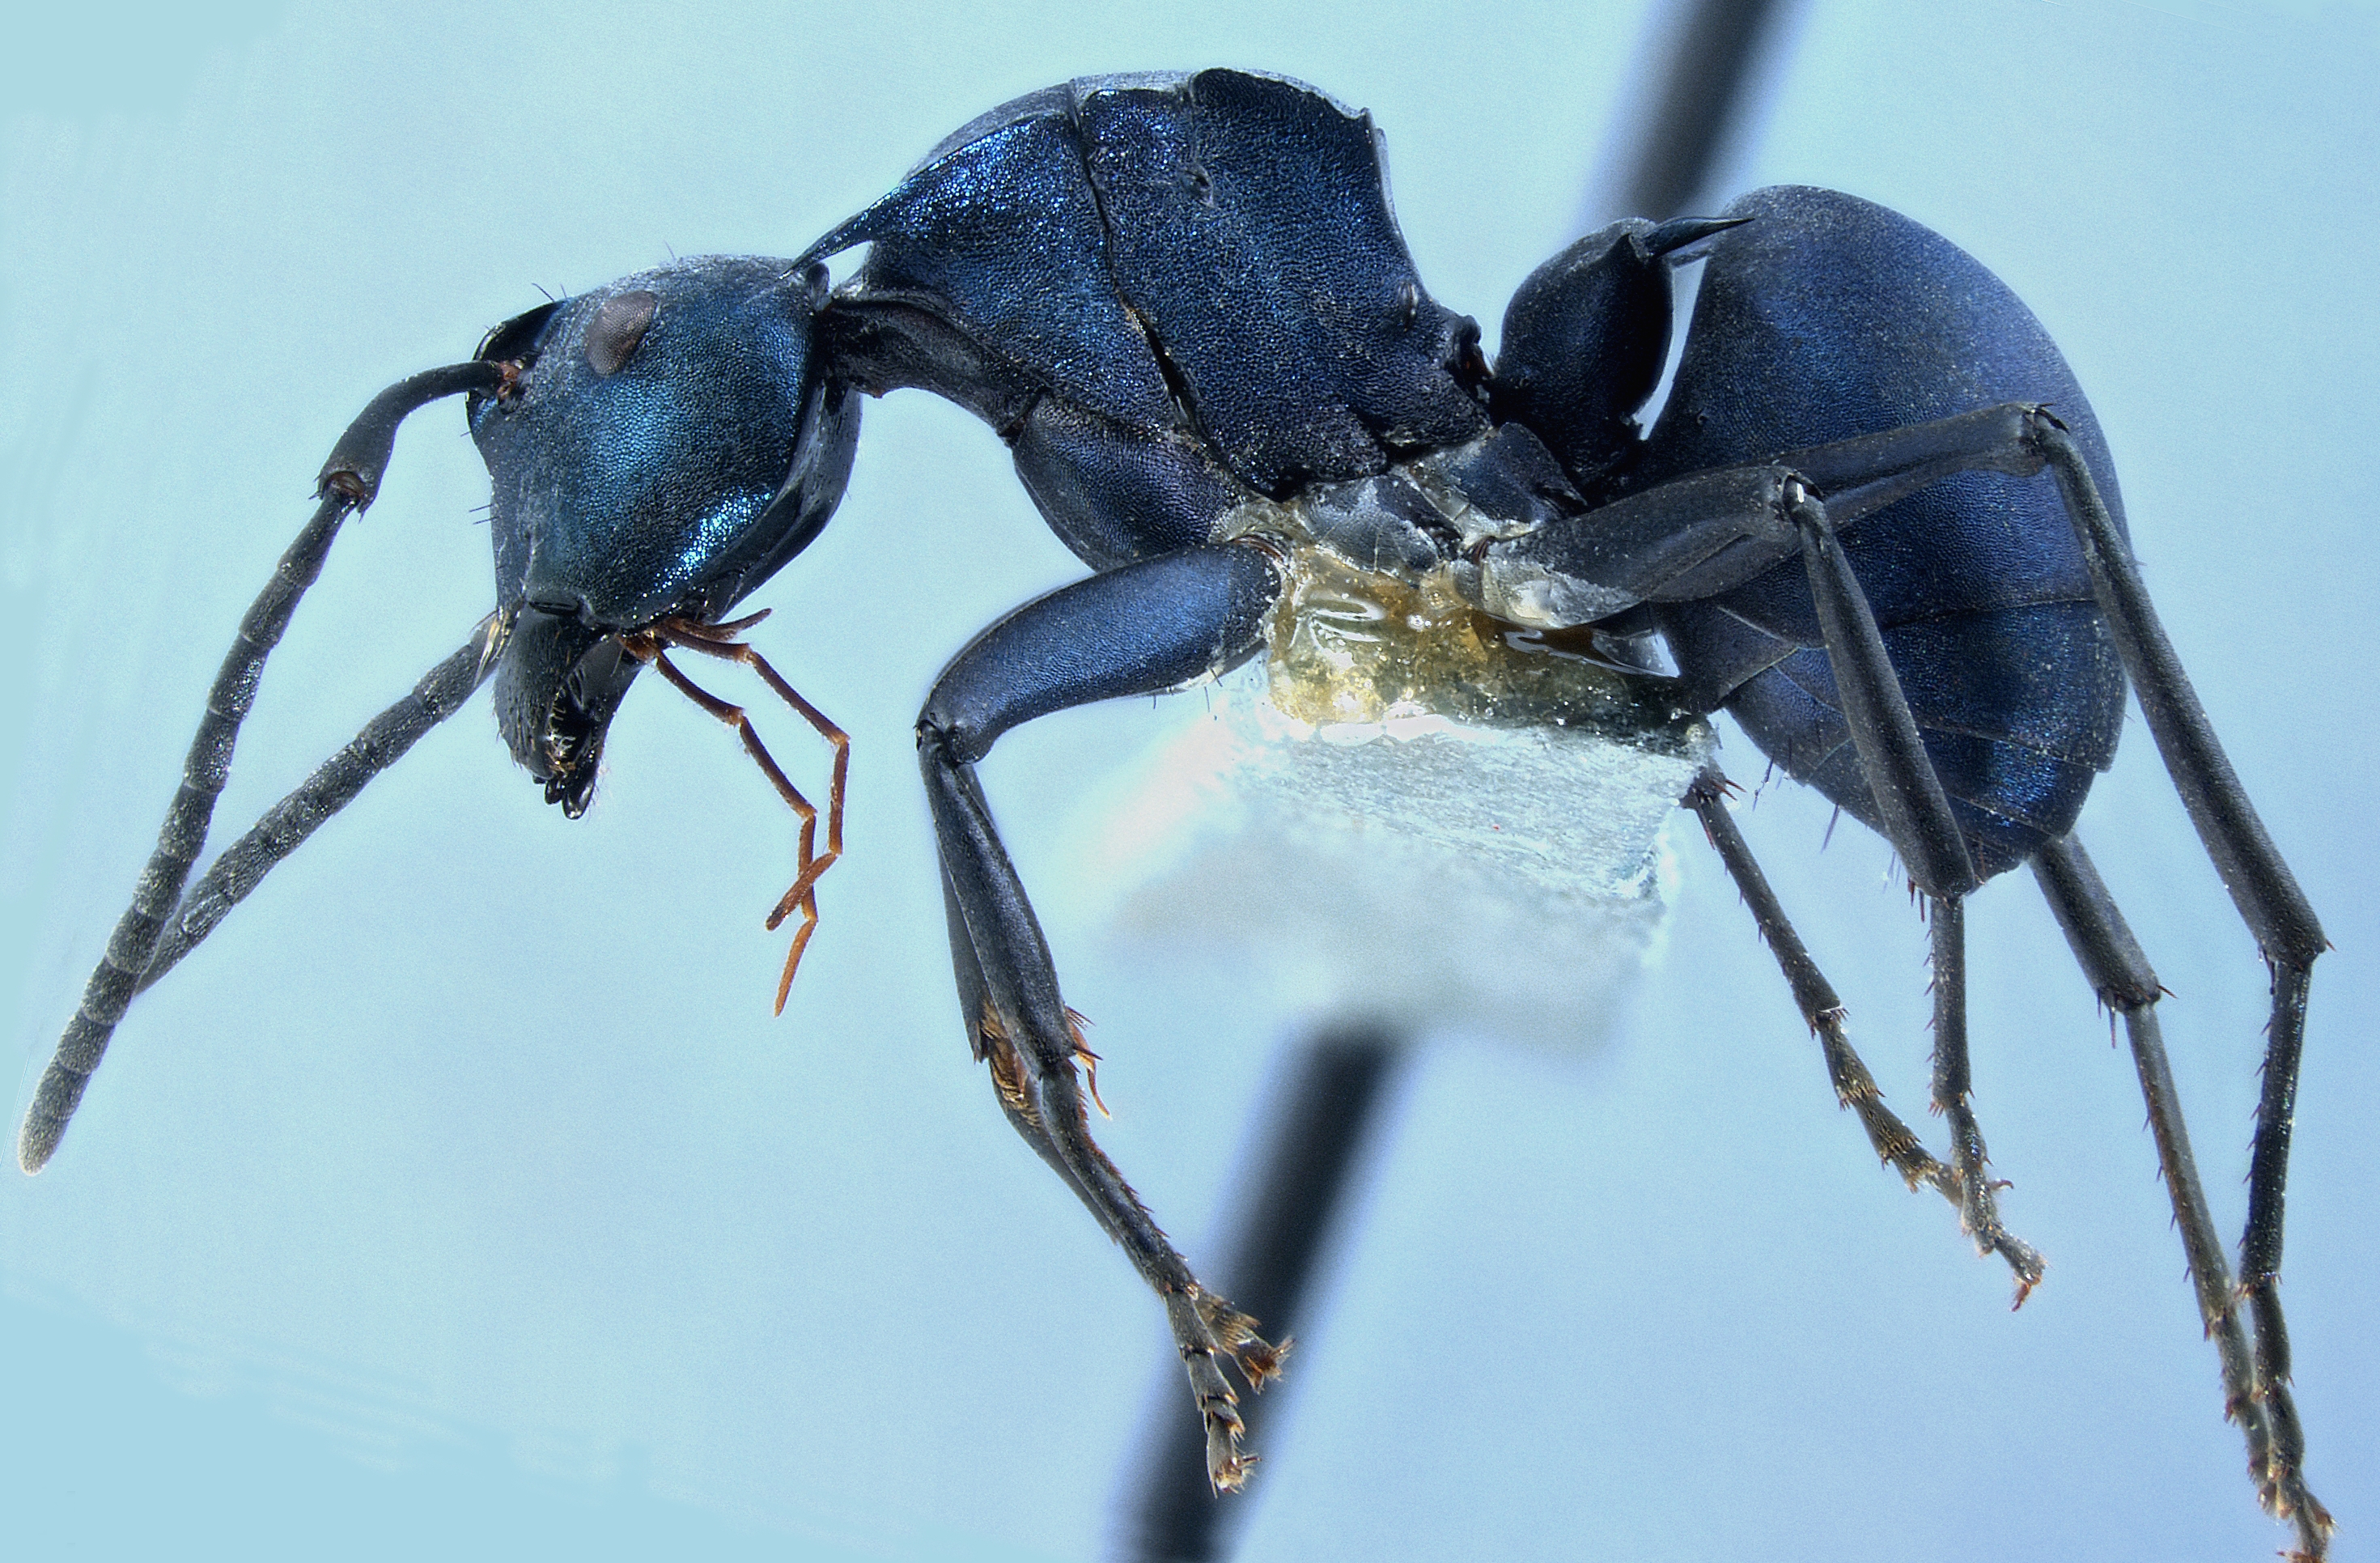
[619,324]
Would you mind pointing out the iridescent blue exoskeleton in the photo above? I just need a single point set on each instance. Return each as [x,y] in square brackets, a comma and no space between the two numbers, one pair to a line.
[1875,520]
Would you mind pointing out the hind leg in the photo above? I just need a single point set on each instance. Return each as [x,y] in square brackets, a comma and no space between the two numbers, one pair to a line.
[2112,960]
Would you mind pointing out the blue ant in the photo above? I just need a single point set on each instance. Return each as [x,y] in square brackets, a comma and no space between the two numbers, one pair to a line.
[1875,521]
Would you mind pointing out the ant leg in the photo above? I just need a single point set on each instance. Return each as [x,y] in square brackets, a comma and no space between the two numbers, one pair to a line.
[1978,1204]
[2112,962]
[2262,888]
[1964,1186]
[989,1043]
[1021,1028]
[1139,628]
[1909,796]
[1716,513]
[283,828]
[2260,885]
[1703,533]
[349,482]
[1325,1110]
[2260,1250]
[718,639]
[1860,476]
[1916,815]
[1895,1142]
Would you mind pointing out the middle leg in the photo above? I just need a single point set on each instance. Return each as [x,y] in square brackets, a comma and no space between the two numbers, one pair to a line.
[1978,1204]
[1896,1143]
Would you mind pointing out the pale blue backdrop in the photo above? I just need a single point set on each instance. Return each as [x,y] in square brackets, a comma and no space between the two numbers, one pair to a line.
[461,1198]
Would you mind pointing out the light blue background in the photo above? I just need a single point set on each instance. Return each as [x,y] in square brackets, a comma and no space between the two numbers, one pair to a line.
[461,1198]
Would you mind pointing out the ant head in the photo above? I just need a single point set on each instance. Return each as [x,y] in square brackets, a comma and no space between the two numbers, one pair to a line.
[658,448]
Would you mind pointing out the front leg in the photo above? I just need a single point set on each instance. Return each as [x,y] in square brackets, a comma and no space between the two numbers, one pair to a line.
[1137,629]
